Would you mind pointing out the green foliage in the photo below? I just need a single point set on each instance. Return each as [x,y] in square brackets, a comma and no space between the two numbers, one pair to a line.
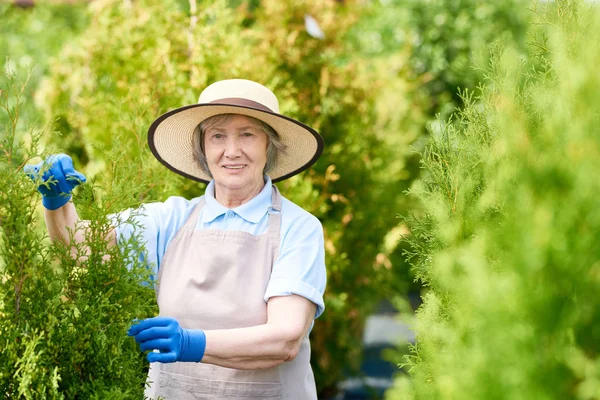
[64,311]
[447,38]
[427,50]
[30,37]
[506,241]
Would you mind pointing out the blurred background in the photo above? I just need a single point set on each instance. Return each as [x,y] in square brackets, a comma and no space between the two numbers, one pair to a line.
[379,79]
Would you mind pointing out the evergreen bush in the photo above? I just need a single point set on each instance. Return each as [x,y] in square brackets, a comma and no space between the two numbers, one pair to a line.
[506,242]
[64,312]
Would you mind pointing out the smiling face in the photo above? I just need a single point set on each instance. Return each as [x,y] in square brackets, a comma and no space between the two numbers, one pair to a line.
[236,154]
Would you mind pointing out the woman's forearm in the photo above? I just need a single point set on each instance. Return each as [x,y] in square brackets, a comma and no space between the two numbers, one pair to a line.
[256,347]
[263,346]
[63,224]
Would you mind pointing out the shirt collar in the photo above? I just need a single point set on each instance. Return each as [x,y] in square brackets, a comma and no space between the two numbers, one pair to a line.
[252,211]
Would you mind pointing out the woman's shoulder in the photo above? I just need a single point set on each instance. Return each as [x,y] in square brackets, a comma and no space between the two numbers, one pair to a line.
[172,206]
[181,202]
[295,215]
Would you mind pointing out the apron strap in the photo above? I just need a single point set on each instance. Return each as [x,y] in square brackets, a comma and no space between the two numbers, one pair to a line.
[192,220]
[275,222]
[190,223]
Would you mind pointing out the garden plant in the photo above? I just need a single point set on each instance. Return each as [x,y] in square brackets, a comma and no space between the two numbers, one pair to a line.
[64,311]
[506,240]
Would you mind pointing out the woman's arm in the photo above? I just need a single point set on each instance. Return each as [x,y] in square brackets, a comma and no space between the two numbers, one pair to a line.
[263,346]
[64,225]
[62,221]
[289,318]
[56,178]
[256,347]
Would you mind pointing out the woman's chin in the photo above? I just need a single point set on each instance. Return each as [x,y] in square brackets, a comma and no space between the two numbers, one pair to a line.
[238,180]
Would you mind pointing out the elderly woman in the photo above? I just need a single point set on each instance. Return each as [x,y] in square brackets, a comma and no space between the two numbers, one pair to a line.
[240,271]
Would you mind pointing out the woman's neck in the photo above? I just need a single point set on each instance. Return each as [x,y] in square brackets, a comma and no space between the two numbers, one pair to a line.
[236,197]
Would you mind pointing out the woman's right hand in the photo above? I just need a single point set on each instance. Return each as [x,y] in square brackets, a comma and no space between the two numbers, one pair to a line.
[57,181]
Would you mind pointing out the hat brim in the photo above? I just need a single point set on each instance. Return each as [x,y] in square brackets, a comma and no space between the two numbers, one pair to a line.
[170,139]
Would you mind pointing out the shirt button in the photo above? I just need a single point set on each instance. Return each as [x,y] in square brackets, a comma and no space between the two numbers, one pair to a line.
[230,214]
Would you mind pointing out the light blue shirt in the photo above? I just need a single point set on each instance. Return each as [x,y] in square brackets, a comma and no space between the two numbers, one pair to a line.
[300,267]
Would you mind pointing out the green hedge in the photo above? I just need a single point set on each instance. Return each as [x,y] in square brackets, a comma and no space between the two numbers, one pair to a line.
[63,320]
[507,242]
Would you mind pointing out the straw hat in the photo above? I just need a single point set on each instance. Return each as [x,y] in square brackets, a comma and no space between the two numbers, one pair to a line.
[170,136]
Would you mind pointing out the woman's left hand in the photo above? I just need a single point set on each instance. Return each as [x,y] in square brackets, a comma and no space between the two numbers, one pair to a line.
[166,335]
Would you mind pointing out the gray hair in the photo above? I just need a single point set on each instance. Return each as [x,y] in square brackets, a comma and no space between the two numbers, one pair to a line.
[274,147]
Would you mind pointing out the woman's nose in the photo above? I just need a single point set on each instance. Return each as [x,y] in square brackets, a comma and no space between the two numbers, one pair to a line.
[232,148]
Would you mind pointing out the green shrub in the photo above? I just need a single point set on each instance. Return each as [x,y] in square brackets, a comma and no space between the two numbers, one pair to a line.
[507,239]
[63,319]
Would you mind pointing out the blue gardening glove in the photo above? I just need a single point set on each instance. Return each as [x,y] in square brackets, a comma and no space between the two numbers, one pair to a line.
[57,182]
[173,342]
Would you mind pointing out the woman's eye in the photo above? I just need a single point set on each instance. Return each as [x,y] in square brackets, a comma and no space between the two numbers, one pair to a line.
[247,134]
[218,136]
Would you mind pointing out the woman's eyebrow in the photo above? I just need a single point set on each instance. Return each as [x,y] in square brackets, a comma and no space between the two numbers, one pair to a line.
[246,127]
[241,128]
[215,128]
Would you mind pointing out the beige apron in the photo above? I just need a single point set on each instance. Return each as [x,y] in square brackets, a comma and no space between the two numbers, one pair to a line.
[215,279]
